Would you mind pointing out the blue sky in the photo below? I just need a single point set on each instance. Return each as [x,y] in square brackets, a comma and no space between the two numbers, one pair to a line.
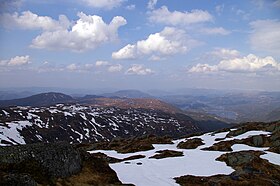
[132,44]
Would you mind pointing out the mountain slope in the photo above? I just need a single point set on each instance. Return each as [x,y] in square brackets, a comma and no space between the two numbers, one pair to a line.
[44,99]
[76,123]
[134,103]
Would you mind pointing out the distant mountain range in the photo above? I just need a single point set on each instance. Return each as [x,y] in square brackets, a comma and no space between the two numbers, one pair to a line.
[226,106]
[127,94]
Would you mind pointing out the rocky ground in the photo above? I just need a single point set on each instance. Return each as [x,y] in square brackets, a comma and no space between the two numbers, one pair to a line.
[244,155]
[53,164]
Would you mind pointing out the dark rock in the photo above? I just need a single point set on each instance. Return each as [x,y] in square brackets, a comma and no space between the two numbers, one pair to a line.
[134,157]
[44,160]
[166,154]
[190,144]
[132,145]
[18,180]
[257,141]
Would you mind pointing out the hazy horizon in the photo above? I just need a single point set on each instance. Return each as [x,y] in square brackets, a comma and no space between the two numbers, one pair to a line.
[143,45]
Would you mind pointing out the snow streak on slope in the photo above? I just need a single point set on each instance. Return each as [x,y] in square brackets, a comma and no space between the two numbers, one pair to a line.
[77,123]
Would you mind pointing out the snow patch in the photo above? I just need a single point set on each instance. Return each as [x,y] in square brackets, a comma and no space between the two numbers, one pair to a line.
[154,172]
[11,132]
[247,135]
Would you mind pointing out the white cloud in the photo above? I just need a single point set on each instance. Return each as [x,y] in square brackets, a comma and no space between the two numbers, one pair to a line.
[127,52]
[115,68]
[101,63]
[105,4]
[151,4]
[80,68]
[110,67]
[250,63]
[164,16]
[265,35]
[215,31]
[130,7]
[88,33]
[72,67]
[16,61]
[203,68]
[224,53]
[138,69]
[167,42]
[29,20]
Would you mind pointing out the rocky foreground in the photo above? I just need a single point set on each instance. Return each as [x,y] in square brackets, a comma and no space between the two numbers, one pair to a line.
[244,155]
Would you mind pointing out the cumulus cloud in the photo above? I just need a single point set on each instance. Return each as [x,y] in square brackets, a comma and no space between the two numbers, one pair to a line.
[167,42]
[138,69]
[110,67]
[80,67]
[127,52]
[101,63]
[250,63]
[72,67]
[29,20]
[115,68]
[215,31]
[88,32]
[203,68]
[105,4]
[164,16]
[265,35]
[16,61]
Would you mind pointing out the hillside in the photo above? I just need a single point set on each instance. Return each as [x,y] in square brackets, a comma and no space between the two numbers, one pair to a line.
[79,124]
[135,103]
[43,99]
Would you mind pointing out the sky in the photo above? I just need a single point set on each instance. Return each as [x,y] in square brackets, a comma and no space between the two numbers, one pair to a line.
[147,44]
